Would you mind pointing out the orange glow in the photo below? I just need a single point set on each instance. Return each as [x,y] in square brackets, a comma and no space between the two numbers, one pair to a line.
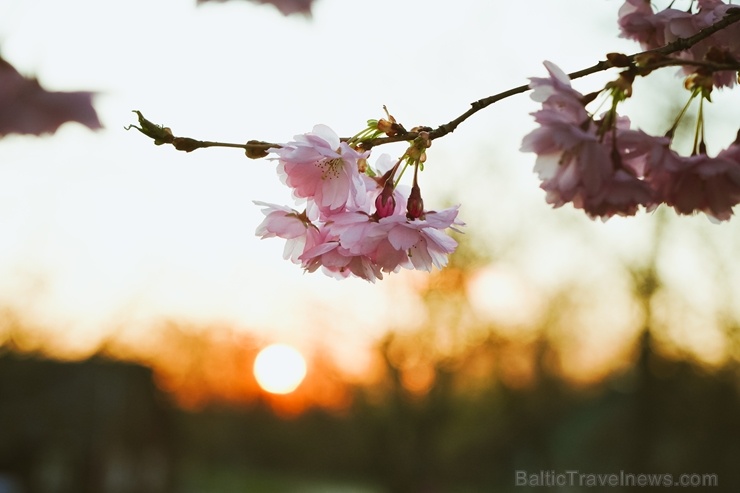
[202,365]
[279,368]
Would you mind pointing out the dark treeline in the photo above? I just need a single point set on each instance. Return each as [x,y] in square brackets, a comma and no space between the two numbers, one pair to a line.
[102,426]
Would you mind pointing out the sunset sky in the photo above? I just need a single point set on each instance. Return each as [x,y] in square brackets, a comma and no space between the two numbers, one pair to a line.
[103,235]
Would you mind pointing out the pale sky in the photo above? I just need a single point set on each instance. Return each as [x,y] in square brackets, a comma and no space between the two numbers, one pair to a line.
[101,230]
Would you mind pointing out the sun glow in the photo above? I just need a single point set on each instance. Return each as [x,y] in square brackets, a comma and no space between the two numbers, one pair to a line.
[279,368]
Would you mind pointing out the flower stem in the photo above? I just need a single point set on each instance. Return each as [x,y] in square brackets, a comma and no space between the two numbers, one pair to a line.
[673,128]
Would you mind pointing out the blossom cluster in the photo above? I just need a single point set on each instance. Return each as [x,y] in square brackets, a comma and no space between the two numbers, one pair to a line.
[639,22]
[607,168]
[357,221]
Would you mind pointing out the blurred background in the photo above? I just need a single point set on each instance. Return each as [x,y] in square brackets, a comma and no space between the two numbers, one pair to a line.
[135,298]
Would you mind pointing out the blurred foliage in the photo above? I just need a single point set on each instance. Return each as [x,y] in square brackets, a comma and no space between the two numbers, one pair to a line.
[457,403]
[95,425]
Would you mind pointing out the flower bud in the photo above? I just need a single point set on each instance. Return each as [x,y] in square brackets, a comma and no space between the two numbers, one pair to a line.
[385,203]
[415,205]
[385,126]
[256,149]
[700,81]
[419,146]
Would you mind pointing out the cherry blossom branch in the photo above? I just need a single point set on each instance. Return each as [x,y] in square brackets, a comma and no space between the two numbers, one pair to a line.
[712,66]
[678,45]
[257,149]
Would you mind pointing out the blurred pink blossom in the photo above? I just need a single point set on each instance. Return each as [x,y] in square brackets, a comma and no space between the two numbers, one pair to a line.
[578,161]
[27,108]
[698,183]
[614,170]
[655,29]
[286,7]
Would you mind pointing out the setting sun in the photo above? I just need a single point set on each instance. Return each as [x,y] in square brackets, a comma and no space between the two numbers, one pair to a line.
[279,368]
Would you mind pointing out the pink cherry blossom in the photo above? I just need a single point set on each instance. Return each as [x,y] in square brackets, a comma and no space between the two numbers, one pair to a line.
[357,232]
[423,241]
[390,243]
[357,244]
[320,167]
[353,243]
[336,261]
[355,224]
[289,224]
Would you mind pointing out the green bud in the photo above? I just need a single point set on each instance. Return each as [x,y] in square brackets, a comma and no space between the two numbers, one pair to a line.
[160,134]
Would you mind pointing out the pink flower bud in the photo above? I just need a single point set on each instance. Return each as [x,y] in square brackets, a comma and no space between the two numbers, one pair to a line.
[385,203]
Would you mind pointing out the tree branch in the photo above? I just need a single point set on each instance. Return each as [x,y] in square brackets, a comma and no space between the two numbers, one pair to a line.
[256,149]
[681,44]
